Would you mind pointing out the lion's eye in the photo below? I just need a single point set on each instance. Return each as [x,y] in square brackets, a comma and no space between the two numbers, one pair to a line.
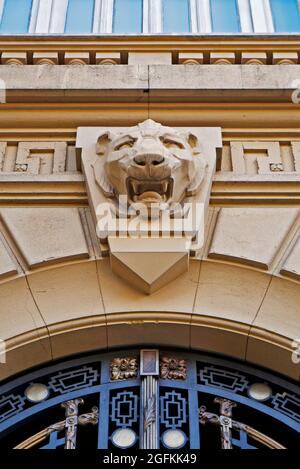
[172,143]
[127,144]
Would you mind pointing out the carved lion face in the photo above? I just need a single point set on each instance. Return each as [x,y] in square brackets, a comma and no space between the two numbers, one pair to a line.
[149,163]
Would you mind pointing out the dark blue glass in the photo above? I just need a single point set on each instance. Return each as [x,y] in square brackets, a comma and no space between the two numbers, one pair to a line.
[128,16]
[286,16]
[16,16]
[225,16]
[80,16]
[176,16]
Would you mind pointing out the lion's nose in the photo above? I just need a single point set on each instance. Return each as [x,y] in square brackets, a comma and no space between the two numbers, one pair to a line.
[149,160]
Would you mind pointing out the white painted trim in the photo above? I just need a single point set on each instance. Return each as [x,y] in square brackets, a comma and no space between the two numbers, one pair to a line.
[193,16]
[245,16]
[34,14]
[97,16]
[106,16]
[155,16]
[44,16]
[260,24]
[1,9]
[269,16]
[59,16]
[146,16]
[204,16]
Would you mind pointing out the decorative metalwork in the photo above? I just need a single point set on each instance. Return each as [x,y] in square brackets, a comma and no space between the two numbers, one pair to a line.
[10,406]
[71,422]
[150,412]
[123,368]
[72,380]
[173,368]
[54,429]
[287,404]
[225,379]
[124,409]
[173,411]
[224,420]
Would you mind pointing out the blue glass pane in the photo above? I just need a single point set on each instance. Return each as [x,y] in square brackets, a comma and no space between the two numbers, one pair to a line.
[80,17]
[225,16]
[128,16]
[16,16]
[286,15]
[176,17]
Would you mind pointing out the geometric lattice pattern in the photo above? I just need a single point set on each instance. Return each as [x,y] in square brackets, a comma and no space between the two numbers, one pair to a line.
[225,379]
[11,405]
[73,380]
[124,409]
[173,410]
[287,404]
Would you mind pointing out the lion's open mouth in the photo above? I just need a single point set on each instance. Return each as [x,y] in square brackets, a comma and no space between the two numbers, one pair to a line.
[145,190]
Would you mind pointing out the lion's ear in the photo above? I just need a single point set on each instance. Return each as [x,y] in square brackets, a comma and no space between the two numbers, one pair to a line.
[102,143]
[192,140]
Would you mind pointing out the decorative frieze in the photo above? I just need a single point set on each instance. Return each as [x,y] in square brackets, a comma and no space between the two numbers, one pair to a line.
[260,157]
[64,55]
[37,158]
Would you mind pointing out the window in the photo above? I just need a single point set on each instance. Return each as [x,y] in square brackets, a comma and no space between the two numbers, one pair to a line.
[286,16]
[176,16]
[225,16]
[16,16]
[128,16]
[80,17]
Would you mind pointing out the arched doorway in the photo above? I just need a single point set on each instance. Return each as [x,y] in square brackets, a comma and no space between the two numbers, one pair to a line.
[149,399]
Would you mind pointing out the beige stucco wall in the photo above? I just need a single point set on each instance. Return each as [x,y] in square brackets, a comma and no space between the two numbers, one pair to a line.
[240,297]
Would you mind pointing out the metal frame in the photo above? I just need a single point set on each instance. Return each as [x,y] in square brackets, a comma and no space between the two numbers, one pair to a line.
[190,386]
[49,16]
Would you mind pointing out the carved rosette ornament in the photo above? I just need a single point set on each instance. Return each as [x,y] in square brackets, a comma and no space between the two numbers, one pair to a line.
[173,368]
[123,368]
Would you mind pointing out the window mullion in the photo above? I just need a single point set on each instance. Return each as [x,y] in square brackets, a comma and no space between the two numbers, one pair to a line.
[155,16]
[97,16]
[1,9]
[269,16]
[260,22]
[193,16]
[245,16]
[106,16]
[44,16]
[146,16]
[204,16]
[58,17]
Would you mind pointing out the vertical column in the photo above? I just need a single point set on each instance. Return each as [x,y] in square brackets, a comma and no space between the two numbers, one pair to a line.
[193,16]
[1,9]
[97,17]
[44,16]
[149,371]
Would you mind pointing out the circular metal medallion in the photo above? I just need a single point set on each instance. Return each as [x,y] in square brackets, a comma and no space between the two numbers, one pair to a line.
[36,392]
[124,438]
[260,391]
[174,439]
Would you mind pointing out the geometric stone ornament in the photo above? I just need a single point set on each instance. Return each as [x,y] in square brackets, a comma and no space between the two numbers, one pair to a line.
[244,154]
[149,188]
[41,157]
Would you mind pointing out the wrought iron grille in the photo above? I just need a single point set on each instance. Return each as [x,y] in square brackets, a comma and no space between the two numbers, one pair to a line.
[170,400]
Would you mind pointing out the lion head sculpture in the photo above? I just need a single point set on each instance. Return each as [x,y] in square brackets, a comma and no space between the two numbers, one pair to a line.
[150,163]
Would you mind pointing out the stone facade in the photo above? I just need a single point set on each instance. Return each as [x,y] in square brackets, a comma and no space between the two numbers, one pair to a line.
[58,293]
